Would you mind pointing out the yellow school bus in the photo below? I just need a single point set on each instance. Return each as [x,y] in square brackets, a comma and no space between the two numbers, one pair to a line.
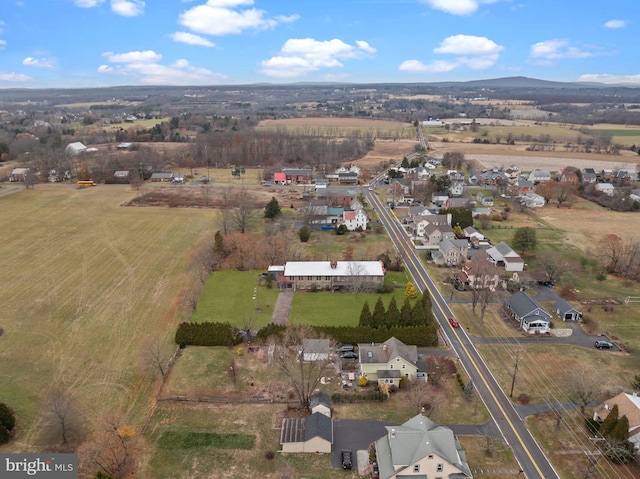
[83,183]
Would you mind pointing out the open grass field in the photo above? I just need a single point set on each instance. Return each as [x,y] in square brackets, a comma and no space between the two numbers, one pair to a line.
[86,283]
[341,127]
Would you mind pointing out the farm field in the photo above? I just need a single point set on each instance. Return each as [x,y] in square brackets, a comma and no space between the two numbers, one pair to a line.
[86,284]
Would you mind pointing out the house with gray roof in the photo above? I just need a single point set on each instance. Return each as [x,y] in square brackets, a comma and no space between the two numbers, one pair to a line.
[313,433]
[538,176]
[565,311]
[451,252]
[533,318]
[320,402]
[420,448]
[377,359]
[434,234]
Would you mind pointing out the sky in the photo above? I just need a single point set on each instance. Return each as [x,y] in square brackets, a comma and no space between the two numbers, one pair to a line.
[97,43]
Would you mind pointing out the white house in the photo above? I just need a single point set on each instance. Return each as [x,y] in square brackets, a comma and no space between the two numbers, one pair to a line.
[533,200]
[354,219]
[502,255]
[421,449]
[538,176]
[75,148]
[606,188]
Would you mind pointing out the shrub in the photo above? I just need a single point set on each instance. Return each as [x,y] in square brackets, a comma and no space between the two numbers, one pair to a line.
[207,334]
[4,435]
[363,381]
[524,399]
[7,418]
[269,455]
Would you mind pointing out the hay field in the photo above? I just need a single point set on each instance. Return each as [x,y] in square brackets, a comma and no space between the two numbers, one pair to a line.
[85,283]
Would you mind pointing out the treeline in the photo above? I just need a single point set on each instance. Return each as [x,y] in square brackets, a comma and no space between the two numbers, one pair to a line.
[222,334]
[253,148]
[419,315]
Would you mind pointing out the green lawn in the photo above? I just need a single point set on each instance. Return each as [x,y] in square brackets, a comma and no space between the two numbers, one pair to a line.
[197,440]
[227,297]
[341,309]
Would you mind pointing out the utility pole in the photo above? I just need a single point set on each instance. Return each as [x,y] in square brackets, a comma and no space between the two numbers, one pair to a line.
[515,370]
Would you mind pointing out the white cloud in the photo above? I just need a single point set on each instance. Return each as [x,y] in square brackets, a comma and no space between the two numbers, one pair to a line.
[224,17]
[127,8]
[147,56]
[3,44]
[37,62]
[468,45]
[470,51]
[457,7]
[606,78]
[300,56]
[144,67]
[88,3]
[438,66]
[557,49]
[615,24]
[13,77]
[191,39]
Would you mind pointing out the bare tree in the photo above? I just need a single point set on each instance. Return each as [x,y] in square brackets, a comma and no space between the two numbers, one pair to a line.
[303,374]
[60,416]
[554,265]
[115,450]
[583,386]
[243,207]
[156,355]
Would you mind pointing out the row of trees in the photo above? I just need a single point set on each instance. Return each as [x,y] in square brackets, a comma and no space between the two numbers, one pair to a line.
[420,314]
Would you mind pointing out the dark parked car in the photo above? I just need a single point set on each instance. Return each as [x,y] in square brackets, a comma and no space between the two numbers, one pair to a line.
[346,459]
[349,355]
[603,344]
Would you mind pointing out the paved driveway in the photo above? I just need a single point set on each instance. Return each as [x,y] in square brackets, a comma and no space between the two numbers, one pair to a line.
[355,435]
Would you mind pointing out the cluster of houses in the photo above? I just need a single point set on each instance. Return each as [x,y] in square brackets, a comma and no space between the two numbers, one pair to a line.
[418,447]
[344,175]
[328,211]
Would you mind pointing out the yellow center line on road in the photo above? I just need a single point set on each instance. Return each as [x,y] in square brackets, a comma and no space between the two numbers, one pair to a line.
[410,256]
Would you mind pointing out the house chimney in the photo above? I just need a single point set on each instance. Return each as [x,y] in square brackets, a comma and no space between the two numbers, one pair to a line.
[334,264]
[385,347]
[422,411]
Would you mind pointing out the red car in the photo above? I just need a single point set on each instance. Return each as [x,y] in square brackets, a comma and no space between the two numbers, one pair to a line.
[454,322]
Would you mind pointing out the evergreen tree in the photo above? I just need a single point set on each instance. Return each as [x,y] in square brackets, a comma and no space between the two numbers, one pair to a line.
[379,317]
[417,314]
[524,239]
[218,245]
[304,234]
[272,209]
[609,422]
[405,313]
[427,309]
[393,314]
[620,431]
[365,316]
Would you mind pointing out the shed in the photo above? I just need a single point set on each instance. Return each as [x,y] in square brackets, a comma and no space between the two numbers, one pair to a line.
[75,148]
[565,311]
[309,434]
[159,177]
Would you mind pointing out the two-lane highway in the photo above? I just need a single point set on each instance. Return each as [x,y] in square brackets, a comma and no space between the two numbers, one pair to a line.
[532,460]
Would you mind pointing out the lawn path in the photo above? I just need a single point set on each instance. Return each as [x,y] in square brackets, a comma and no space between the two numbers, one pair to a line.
[281,309]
